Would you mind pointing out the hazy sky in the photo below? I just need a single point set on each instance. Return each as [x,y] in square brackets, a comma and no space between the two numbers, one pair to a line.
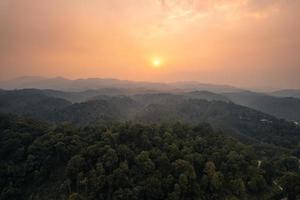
[252,43]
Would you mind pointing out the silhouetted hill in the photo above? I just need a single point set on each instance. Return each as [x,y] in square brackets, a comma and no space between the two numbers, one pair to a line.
[106,109]
[77,97]
[206,95]
[242,122]
[64,84]
[286,108]
[287,93]
[31,103]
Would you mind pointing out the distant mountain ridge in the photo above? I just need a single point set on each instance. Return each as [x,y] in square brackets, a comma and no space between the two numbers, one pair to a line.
[287,93]
[281,107]
[32,103]
[60,83]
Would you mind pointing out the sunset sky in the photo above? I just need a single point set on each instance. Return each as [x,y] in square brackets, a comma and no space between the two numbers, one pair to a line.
[247,43]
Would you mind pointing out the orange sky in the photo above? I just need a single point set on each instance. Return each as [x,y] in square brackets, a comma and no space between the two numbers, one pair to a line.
[248,43]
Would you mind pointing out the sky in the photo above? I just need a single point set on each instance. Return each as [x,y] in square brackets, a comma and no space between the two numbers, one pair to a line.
[246,43]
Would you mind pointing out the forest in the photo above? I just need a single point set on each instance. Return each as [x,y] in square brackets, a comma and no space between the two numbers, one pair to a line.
[127,160]
[149,100]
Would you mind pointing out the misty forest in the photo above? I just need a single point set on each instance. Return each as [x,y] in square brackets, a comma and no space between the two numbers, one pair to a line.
[149,99]
[139,142]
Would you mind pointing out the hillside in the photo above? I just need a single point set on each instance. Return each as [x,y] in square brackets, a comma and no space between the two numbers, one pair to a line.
[287,93]
[244,123]
[286,107]
[31,103]
[206,95]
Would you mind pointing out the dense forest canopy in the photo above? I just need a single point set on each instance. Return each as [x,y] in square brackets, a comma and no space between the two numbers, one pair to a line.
[136,161]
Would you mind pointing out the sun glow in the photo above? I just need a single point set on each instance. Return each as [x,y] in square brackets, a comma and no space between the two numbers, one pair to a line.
[156,62]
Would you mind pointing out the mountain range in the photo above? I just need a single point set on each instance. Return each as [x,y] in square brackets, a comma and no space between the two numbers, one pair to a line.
[282,107]
[248,124]
[63,84]
[287,93]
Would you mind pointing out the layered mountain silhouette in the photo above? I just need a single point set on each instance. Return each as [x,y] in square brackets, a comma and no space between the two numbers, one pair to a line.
[287,93]
[191,107]
[60,83]
[284,107]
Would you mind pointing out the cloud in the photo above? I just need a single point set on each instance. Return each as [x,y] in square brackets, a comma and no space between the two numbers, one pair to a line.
[221,5]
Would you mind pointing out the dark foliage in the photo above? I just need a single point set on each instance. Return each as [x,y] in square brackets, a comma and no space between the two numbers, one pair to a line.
[135,161]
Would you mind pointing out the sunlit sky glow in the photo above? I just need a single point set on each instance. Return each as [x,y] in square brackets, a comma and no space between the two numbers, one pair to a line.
[248,43]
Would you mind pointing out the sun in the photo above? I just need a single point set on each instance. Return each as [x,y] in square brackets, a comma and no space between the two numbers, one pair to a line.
[156,62]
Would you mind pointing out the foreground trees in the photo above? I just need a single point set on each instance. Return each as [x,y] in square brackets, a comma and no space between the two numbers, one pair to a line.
[133,161]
